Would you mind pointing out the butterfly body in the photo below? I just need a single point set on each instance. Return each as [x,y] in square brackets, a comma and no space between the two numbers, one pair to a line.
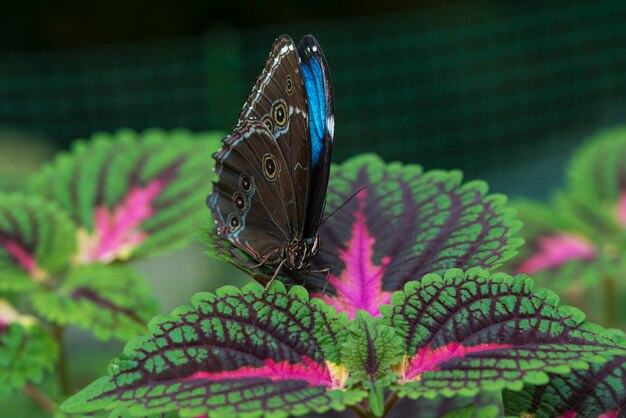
[273,169]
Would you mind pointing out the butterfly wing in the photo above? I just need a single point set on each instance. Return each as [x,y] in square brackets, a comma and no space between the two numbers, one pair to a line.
[278,99]
[258,208]
[253,199]
[321,121]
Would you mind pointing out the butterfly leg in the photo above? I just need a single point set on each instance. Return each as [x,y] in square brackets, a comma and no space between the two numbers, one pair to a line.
[327,271]
[324,270]
[262,262]
[278,269]
[264,259]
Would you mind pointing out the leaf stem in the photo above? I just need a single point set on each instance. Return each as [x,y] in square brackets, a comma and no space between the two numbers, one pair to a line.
[64,383]
[610,302]
[359,411]
[390,402]
[40,398]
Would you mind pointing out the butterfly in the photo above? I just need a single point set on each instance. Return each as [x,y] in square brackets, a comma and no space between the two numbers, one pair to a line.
[273,169]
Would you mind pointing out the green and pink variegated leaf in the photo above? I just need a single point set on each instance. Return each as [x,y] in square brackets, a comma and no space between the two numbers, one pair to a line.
[597,392]
[231,353]
[26,350]
[131,194]
[109,301]
[403,224]
[567,255]
[37,239]
[552,240]
[466,332]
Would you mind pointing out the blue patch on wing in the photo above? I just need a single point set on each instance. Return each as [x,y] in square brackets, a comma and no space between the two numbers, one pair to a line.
[314,85]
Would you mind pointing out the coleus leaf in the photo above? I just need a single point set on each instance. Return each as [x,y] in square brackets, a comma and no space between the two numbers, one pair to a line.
[130,194]
[597,176]
[36,240]
[371,349]
[470,331]
[570,256]
[26,350]
[404,224]
[106,300]
[593,206]
[599,391]
[551,240]
[231,353]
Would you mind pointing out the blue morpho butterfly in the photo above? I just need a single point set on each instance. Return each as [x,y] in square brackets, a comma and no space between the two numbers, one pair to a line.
[273,169]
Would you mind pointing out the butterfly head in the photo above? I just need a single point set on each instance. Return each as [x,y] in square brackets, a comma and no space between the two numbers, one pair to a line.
[299,254]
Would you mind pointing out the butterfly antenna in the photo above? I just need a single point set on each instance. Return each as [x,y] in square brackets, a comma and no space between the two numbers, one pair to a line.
[343,204]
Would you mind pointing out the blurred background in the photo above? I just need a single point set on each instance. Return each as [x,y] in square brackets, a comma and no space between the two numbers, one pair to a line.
[502,90]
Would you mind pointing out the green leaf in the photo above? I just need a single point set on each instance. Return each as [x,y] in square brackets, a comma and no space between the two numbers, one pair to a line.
[37,240]
[231,353]
[110,301]
[594,392]
[552,242]
[376,402]
[131,194]
[472,331]
[26,350]
[371,350]
[597,174]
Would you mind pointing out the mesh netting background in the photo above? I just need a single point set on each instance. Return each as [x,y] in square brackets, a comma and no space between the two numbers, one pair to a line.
[503,91]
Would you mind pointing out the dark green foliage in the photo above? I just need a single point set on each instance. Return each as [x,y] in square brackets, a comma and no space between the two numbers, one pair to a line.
[26,353]
[107,300]
[36,241]
[597,173]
